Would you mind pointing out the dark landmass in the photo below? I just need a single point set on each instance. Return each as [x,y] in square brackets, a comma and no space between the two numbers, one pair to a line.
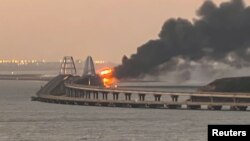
[233,84]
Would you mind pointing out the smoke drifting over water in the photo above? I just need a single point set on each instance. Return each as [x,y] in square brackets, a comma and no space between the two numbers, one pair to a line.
[218,39]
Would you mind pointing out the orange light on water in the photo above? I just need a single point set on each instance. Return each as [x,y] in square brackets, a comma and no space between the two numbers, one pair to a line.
[107,75]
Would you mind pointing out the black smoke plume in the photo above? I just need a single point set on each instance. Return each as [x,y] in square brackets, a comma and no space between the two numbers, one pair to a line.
[220,33]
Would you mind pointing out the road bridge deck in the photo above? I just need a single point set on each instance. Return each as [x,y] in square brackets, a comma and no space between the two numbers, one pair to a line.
[99,96]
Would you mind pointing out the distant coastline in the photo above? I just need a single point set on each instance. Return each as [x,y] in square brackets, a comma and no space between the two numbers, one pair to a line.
[39,77]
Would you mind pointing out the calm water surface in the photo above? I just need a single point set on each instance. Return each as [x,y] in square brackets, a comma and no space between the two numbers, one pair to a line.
[25,120]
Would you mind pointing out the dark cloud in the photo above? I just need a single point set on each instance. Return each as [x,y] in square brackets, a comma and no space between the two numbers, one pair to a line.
[221,33]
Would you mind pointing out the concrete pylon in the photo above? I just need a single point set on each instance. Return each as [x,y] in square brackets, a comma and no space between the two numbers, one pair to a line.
[68,66]
[89,68]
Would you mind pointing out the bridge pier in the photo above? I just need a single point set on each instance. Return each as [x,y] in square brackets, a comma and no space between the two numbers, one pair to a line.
[95,94]
[88,94]
[85,95]
[66,91]
[105,95]
[157,97]
[115,95]
[174,98]
[141,97]
[214,101]
[81,94]
[128,96]
[74,93]
[69,92]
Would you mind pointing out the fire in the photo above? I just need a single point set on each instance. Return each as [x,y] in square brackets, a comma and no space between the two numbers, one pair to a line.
[106,72]
[107,75]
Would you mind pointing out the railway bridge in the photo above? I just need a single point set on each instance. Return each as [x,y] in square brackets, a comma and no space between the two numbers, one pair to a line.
[117,97]
[63,90]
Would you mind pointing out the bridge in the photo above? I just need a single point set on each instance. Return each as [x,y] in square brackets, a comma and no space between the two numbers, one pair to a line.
[122,97]
[66,91]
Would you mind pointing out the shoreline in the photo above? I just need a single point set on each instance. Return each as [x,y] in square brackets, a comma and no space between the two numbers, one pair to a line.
[38,77]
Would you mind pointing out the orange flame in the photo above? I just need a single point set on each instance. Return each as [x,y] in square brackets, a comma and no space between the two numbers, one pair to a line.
[107,75]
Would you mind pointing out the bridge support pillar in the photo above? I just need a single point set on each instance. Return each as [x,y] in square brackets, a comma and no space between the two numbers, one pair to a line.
[115,96]
[88,94]
[73,93]
[76,93]
[141,97]
[70,92]
[128,96]
[211,99]
[157,97]
[105,95]
[79,93]
[82,94]
[95,94]
[174,98]
[66,91]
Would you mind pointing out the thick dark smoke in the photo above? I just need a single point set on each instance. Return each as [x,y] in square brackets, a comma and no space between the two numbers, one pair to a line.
[221,34]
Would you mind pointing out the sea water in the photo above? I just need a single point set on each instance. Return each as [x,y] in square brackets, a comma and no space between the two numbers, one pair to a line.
[24,120]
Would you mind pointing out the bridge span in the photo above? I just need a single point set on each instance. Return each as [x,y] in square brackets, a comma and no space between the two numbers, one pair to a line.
[122,97]
[68,88]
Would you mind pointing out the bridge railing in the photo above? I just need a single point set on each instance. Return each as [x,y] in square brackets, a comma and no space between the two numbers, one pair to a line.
[147,92]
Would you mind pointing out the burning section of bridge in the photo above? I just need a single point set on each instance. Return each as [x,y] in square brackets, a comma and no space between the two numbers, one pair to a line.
[107,76]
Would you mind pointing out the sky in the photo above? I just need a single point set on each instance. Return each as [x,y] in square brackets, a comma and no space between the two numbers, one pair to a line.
[103,29]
